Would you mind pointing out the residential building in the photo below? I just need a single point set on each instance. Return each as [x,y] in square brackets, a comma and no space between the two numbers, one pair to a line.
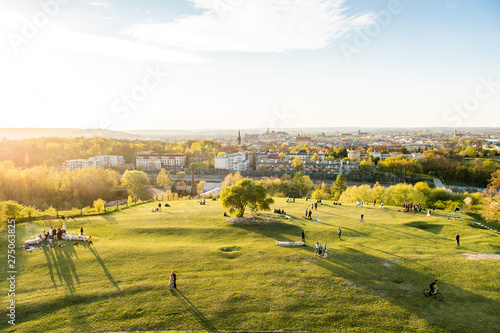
[100,161]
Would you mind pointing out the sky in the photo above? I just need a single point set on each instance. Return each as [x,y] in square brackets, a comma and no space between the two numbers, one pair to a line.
[221,64]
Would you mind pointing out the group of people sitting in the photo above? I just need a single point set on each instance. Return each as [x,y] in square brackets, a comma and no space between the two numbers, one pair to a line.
[416,208]
[53,234]
[337,203]
[279,211]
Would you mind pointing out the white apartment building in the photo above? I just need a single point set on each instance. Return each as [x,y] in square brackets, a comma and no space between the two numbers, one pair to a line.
[234,162]
[148,160]
[100,161]
[172,160]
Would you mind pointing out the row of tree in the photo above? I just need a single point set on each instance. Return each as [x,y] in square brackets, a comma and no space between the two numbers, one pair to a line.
[44,186]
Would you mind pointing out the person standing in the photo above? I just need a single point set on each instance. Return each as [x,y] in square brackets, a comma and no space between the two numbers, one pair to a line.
[339,232]
[310,214]
[175,279]
[307,211]
[171,280]
[361,219]
[303,236]
[457,238]
[81,231]
[317,247]
[324,252]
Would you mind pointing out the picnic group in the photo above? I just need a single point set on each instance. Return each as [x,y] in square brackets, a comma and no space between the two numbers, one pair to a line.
[53,236]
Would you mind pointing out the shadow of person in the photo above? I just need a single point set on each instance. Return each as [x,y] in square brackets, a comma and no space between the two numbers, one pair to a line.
[205,323]
[101,262]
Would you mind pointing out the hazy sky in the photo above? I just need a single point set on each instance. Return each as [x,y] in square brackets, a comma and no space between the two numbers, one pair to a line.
[188,64]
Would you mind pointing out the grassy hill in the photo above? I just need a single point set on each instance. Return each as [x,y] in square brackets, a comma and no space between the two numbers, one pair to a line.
[234,277]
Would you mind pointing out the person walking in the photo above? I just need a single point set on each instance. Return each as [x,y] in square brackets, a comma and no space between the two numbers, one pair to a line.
[307,212]
[171,280]
[90,240]
[317,247]
[361,219]
[303,236]
[324,252]
[457,238]
[339,232]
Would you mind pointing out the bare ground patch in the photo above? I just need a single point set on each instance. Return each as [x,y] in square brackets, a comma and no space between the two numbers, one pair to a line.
[481,256]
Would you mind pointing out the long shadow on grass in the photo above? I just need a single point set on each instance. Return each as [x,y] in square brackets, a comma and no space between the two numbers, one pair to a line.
[64,266]
[461,310]
[279,231]
[101,262]
[205,323]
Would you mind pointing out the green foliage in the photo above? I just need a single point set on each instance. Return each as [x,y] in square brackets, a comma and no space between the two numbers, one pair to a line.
[339,186]
[10,210]
[164,179]
[301,185]
[245,194]
[491,207]
[231,179]
[136,183]
[396,194]
[99,205]
[297,164]
[41,185]
[321,192]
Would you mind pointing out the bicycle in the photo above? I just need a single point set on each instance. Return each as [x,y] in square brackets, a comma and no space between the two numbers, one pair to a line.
[437,296]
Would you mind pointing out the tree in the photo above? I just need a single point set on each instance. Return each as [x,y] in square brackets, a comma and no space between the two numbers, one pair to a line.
[301,185]
[136,183]
[231,179]
[491,207]
[163,179]
[297,164]
[339,186]
[99,205]
[315,157]
[245,194]
[181,175]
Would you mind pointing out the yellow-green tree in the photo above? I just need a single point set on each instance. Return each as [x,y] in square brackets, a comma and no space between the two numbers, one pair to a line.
[245,194]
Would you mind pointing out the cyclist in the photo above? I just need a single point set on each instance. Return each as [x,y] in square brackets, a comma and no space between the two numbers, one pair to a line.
[432,286]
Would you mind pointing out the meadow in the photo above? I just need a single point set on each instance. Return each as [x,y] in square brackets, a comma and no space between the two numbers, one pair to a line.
[235,278]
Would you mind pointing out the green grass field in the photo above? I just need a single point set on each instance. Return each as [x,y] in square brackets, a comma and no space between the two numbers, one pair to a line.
[234,278]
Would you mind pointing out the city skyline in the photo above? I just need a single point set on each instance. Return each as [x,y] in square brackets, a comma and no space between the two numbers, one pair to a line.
[200,64]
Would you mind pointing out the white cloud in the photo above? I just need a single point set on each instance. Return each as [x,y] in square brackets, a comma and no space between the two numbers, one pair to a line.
[56,37]
[255,26]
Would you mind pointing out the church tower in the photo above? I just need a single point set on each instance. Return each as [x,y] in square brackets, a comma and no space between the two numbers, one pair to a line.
[239,139]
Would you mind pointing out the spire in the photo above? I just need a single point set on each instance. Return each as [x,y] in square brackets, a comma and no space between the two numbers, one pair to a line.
[239,138]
